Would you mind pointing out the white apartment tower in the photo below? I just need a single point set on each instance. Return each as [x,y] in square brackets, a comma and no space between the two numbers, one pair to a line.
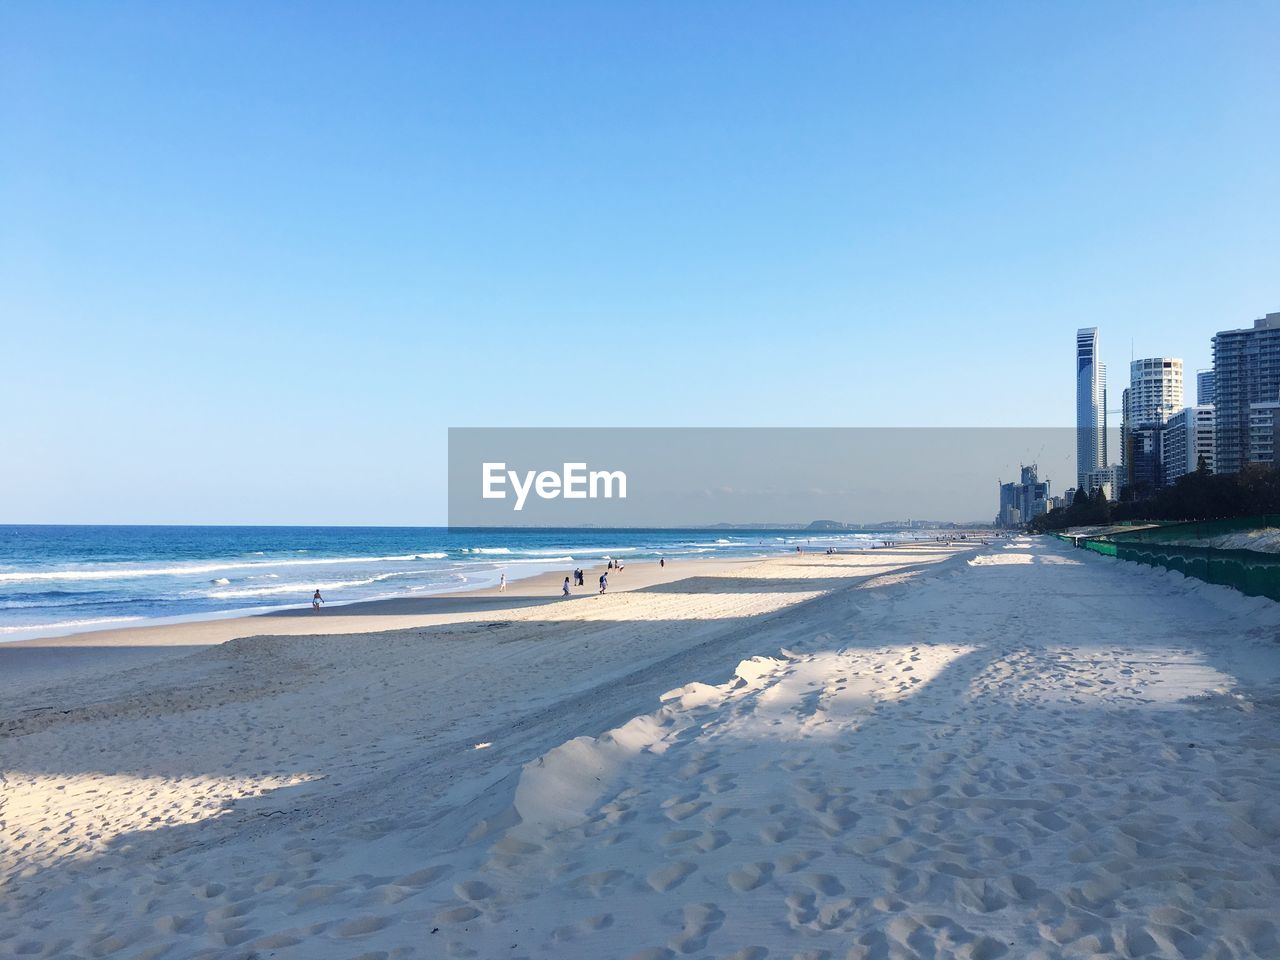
[1188,436]
[1155,391]
[1153,396]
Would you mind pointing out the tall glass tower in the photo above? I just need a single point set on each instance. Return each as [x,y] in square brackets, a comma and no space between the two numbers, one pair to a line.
[1091,407]
[1204,388]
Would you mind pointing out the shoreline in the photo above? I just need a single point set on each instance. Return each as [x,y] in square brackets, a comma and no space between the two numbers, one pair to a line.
[80,656]
[480,581]
[544,586]
[534,588]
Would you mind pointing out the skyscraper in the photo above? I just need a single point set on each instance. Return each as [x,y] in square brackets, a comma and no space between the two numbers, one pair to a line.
[1246,371]
[1264,418]
[1204,388]
[1188,436]
[1154,395]
[1091,406]
[1155,390]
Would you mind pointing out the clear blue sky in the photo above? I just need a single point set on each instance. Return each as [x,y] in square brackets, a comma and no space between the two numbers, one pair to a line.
[256,258]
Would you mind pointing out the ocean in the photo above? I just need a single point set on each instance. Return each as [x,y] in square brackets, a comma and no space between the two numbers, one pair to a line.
[65,579]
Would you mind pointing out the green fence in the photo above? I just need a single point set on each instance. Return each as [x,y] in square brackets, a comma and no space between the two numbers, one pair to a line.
[1097,545]
[1196,529]
[1252,572]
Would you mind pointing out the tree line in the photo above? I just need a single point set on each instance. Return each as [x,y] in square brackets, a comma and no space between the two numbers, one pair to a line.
[1200,495]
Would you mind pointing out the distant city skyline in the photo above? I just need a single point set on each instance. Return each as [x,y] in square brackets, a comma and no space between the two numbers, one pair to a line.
[256,261]
[1234,421]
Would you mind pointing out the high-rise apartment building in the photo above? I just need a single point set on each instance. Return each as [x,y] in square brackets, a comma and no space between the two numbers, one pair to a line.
[1188,436]
[1091,406]
[1155,390]
[1154,395]
[1246,370]
[1264,432]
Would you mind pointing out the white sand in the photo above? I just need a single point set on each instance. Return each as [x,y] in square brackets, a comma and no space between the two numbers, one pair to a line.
[1029,752]
[1264,540]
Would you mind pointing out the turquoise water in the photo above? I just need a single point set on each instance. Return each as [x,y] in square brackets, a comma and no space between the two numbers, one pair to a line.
[64,579]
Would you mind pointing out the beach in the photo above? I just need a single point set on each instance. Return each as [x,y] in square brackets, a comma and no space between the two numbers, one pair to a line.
[928,750]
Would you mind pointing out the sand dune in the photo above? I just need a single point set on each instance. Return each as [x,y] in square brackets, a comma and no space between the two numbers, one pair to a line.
[927,751]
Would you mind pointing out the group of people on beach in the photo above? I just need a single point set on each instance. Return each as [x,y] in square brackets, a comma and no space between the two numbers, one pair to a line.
[579,580]
[579,576]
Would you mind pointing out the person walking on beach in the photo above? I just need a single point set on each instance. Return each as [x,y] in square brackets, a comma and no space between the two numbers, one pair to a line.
[316,600]
[502,583]
[566,586]
[604,582]
[662,561]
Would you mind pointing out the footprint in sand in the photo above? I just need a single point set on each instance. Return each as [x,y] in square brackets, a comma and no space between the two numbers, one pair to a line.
[696,767]
[473,890]
[276,941]
[700,921]
[792,862]
[673,838]
[599,883]
[717,815]
[600,921]
[711,840]
[750,876]
[669,876]
[362,926]
[720,783]
[837,820]
[683,811]
[823,883]
[457,915]
[776,833]
[387,894]
[422,878]
[800,911]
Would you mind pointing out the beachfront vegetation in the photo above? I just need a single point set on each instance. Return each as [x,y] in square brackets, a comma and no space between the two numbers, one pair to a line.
[1200,495]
